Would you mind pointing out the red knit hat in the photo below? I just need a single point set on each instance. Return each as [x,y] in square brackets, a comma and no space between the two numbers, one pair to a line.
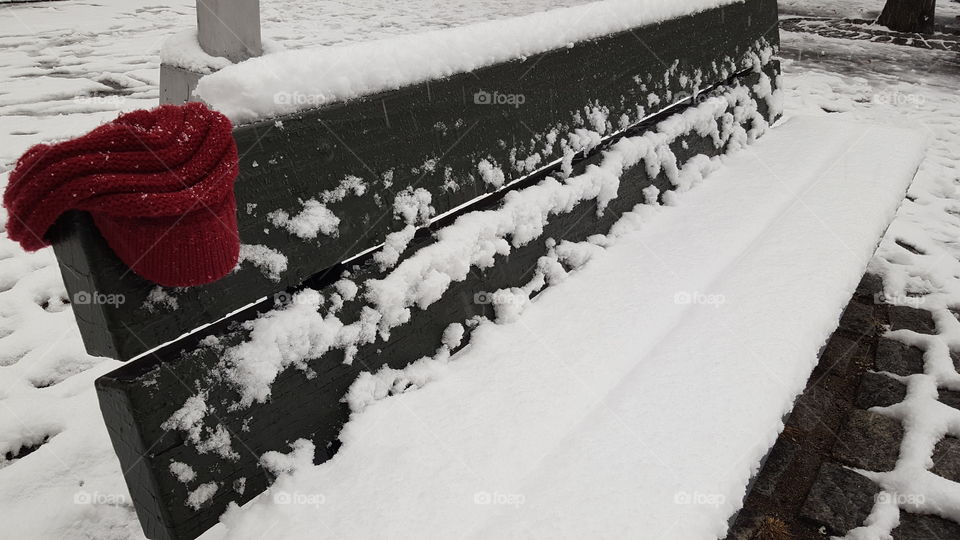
[158,184]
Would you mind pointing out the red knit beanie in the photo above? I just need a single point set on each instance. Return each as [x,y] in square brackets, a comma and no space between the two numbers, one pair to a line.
[158,184]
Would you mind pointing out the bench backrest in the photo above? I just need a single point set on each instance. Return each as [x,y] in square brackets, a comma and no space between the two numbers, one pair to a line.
[428,136]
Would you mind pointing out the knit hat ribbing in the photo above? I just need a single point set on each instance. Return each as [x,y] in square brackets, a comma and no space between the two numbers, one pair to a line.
[158,184]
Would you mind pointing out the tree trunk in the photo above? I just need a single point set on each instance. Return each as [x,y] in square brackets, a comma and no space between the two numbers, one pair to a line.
[908,15]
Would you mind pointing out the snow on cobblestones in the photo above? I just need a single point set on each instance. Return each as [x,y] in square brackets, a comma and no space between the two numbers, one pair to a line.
[919,258]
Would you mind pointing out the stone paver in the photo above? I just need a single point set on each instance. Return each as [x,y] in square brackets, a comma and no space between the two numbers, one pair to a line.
[946,459]
[859,319]
[879,390]
[778,463]
[925,527]
[949,397]
[870,286]
[898,358]
[869,441]
[840,352]
[840,499]
[809,410]
[909,318]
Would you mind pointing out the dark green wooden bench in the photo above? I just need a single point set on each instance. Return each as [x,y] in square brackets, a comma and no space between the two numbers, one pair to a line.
[386,136]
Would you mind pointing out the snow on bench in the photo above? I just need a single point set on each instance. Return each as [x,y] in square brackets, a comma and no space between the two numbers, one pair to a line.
[636,398]
[382,228]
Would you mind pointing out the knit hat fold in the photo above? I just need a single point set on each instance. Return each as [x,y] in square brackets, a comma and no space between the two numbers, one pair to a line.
[158,184]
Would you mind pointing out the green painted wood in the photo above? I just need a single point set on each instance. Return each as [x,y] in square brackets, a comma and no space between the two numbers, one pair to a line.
[139,397]
[425,136]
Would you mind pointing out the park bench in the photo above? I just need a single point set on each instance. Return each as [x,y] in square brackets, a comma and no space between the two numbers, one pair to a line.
[471,141]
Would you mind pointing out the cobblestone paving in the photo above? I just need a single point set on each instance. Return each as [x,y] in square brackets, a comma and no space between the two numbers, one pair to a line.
[861,29]
[810,485]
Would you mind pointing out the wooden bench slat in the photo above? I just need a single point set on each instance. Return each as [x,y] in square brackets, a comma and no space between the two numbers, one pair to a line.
[401,131]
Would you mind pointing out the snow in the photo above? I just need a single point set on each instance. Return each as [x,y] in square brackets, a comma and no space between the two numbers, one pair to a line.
[160,300]
[182,471]
[183,50]
[759,233]
[291,81]
[72,485]
[270,261]
[202,494]
[315,218]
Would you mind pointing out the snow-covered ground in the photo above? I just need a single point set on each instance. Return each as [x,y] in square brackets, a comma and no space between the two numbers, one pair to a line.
[67,66]
[947,12]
